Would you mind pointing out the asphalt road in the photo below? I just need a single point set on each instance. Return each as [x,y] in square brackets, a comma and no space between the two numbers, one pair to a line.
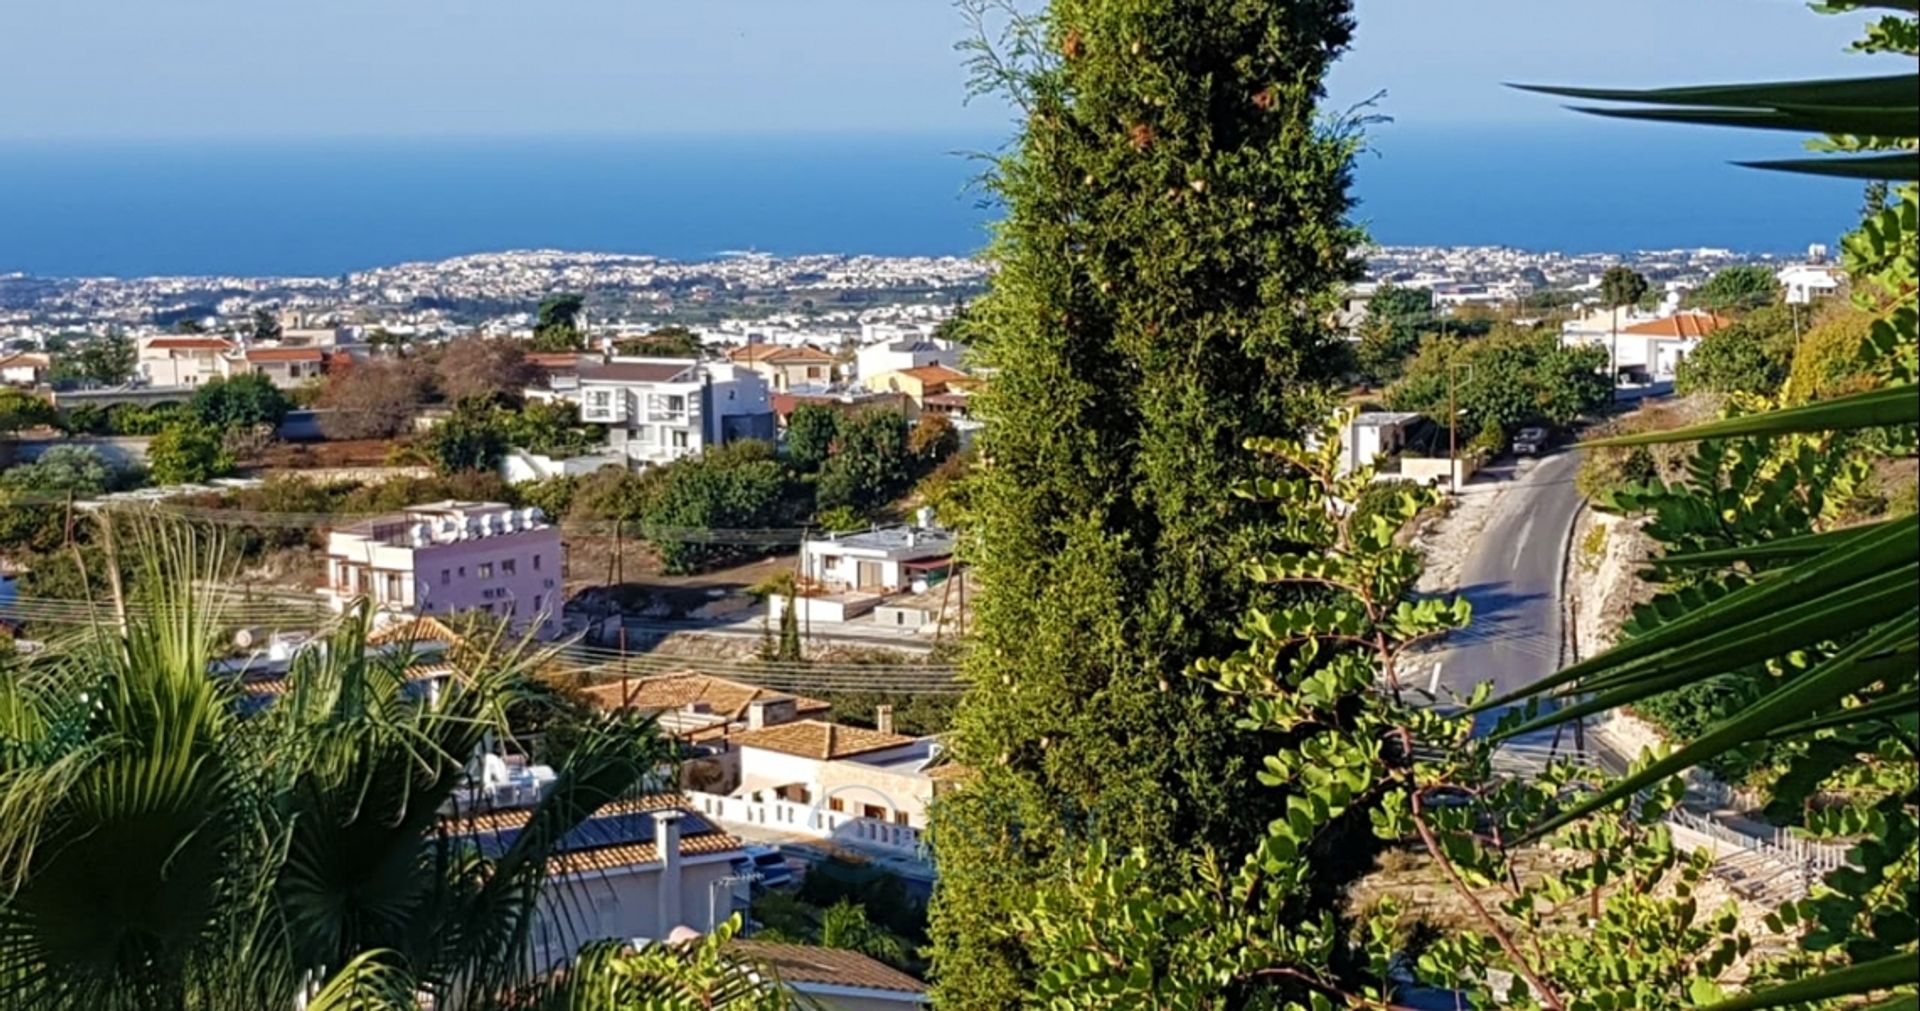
[1512,579]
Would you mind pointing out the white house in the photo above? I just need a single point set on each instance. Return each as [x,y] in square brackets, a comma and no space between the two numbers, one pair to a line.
[906,353]
[881,560]
[1373,434]
[1650,345]
[661,409]
[637,870]
[25,368]
[1806,283]
[182,360]
[874,774]
[450,557]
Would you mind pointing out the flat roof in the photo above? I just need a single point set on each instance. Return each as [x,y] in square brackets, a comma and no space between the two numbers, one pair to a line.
[902,542]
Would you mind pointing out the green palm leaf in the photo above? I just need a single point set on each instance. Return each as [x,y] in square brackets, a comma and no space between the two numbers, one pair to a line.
[1880,974]
[1895,405]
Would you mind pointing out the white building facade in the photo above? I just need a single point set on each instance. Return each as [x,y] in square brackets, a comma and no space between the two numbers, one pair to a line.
[448,558]
[658,410]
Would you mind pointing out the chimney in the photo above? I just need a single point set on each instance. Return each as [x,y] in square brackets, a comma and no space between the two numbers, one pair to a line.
[757,714]
[666,839]
[883,718]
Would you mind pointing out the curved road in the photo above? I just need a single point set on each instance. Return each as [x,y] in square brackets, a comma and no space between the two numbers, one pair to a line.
[1512,578]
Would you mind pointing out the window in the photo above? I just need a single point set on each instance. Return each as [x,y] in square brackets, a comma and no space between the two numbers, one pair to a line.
[836,804]
[874,811]
[507,566]
[536,563]
[679,439]
[900,817]
[813,372]
[446,577]
[676,404]
[463,572]
[486,570]
[537,598]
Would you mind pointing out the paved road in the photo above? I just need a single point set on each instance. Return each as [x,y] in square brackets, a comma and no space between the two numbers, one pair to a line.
[1512,578]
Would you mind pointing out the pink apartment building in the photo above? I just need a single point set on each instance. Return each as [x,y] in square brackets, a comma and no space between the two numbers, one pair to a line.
[446,558]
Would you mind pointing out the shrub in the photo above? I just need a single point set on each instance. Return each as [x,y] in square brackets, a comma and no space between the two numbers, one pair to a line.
[187,453]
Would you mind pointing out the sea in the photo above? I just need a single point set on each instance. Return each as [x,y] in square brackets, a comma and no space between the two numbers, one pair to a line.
[326,207]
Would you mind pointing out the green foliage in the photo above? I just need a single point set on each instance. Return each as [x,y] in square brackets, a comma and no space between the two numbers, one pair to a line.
[77,469]
[187,453]
[1736,289]
[1396,319]
[1175,244]
[948,489]
[1622,286]
[869,464]
[811,431]
[166,847]
[1751,356]
[22,410]
[557,323]
[242,402]
[135,419]
[1832,359]
[265,324]
[473,437]
[736,486]
[930,441]
[840,519]
[1507,380]
[104,361]
[666,342]
[550,428]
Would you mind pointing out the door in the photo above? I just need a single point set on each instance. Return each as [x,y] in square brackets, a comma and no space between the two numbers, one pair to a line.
[867,576]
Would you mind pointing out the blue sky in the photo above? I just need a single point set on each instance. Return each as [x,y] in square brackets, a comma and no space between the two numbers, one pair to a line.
[121,69]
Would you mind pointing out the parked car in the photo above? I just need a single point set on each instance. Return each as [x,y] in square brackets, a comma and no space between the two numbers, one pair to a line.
[1531,441]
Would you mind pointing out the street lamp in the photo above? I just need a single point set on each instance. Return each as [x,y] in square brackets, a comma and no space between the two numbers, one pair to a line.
[1453,423]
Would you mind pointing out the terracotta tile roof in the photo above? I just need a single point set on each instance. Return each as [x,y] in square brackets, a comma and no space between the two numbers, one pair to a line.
[555,361]
[283,354]
[189,344]
[804,963]
[1689,325]
[929,375]
[950,771]
[634,372]
[22,359]
[820,739]
[804,354]
[678,691]
[709,840]
[421,629]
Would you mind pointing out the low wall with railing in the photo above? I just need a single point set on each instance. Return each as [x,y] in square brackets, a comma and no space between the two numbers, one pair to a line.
[810,820]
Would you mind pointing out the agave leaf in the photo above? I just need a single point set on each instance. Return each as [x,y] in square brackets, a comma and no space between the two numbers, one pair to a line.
[1780,549]
[1880,974]
[1886,654]
[1890,121]
[1893,405]
[1890,545]
[1887,90]
[1901,165]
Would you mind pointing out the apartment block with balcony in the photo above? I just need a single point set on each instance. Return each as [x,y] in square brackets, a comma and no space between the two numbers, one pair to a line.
[448,558]
[658,410]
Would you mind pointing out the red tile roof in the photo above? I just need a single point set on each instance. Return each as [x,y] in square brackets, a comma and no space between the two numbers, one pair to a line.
[934,375]
[634,372]
[686,688]
[1687,325]
[804,354]
[820,739]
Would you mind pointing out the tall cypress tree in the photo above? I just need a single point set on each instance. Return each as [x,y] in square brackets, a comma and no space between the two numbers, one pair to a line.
[1175,238]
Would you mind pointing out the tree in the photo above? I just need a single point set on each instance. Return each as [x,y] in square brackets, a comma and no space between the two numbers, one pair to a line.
[736,486]
[1396,317]
[869,462]
[242,402]
[931,440]
[1746,287]
[189,325]
[1507,380]
[811,431]
[476,368]
[473,437]
[557,323]
[1832,358]
[1619,286]
[20,410]
[551,428]
[1750,356]
[187,453]
[1175,244]
[106,360]
[372,399]
[666,342]
[381,339]
[77,469]
[264,324]
[170,847]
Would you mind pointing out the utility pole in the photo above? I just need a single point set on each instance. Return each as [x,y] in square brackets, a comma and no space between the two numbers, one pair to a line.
[1453,423]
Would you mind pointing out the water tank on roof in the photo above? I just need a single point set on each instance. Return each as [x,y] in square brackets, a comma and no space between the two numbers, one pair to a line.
[422,535]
